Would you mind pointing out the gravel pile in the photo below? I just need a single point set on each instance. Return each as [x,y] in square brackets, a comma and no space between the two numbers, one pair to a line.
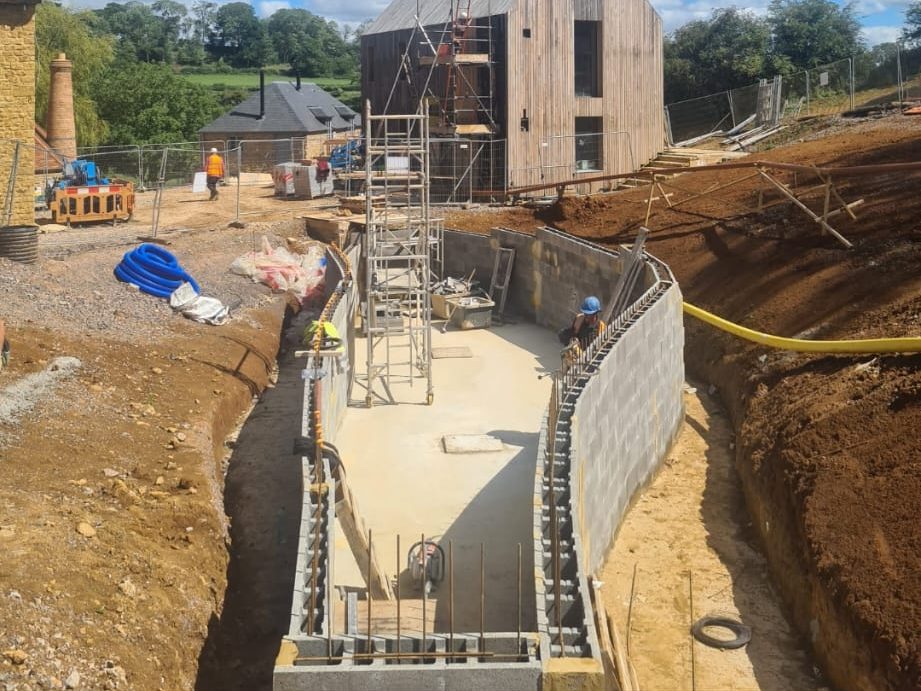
[77,292]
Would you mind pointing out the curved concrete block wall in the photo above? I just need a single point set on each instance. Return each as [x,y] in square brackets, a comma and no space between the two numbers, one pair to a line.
[615,423]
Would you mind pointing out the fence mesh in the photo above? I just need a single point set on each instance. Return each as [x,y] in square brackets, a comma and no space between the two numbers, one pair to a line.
[465,170]
[864,80]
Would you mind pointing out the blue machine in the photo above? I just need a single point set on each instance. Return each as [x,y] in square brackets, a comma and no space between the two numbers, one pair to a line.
[80,173]
[348,155]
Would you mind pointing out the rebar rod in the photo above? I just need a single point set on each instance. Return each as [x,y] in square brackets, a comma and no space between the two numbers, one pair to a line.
[370,596]
[482,645]
[423,590]
[518,584]
[399,645]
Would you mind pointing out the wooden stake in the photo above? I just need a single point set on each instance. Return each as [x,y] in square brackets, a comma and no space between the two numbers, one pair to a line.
[786,191]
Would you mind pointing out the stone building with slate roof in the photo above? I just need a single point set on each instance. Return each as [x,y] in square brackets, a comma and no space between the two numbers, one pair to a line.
[282,122]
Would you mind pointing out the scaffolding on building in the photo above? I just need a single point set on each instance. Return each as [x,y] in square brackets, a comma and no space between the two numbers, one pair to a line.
[462,61]
[402,250]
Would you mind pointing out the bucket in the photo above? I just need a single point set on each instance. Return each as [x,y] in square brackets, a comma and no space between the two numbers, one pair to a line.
[19,243]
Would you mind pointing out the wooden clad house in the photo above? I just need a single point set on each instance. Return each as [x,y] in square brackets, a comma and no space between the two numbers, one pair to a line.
[543,90]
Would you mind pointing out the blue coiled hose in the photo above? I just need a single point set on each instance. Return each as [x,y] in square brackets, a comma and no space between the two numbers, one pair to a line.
[154,270]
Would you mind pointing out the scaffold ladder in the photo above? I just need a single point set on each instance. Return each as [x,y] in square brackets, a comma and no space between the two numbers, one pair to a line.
[398,245]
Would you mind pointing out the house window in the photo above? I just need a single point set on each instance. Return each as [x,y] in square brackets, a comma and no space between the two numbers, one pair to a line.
[589,153]
[587,54]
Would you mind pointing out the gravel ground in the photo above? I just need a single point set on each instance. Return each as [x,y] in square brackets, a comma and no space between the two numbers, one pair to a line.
[77,292]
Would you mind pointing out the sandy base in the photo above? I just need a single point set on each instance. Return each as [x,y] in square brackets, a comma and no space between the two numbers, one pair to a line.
[690,527]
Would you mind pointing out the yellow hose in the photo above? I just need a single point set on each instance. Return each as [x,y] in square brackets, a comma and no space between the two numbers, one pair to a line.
[870,345]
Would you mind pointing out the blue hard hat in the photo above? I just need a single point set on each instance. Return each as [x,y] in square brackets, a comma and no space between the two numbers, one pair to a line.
[591,305]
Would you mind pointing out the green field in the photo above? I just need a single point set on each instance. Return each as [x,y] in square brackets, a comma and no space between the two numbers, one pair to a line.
[245,80]
[345,89]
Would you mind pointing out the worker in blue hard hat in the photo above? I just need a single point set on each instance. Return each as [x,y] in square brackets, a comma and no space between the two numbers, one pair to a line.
[586,326]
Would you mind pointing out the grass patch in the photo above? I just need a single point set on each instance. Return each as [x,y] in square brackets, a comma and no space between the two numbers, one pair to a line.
[251,81]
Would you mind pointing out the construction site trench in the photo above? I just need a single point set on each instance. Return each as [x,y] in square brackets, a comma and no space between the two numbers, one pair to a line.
[113,522]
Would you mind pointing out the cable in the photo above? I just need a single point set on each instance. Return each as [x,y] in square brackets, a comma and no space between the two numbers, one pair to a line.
[870,345]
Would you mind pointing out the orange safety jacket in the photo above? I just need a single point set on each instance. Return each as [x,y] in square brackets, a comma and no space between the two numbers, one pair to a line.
[215,167]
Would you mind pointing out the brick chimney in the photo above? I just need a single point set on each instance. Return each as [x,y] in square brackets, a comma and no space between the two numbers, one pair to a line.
[62,132]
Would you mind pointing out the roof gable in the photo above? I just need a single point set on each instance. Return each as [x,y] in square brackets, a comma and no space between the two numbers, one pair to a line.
[287,109]
[401,14]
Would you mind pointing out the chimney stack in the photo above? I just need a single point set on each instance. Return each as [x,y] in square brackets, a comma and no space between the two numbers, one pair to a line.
[62,132]
[298,76]
[261,94]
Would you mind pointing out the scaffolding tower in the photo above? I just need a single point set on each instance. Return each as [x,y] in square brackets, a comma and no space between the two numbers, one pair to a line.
[461,60]
[402,250]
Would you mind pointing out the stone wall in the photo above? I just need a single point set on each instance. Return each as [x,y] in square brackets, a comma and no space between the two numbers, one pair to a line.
[552,273]
[17,105]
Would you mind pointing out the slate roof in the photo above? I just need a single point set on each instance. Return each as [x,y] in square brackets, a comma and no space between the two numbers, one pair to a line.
[306,111]
[401,14]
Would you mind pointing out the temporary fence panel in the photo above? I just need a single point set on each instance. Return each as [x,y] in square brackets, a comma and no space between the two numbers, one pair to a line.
[700,116]
[876,80]
[262,155]
[830,88]
[465,170]
[122,162]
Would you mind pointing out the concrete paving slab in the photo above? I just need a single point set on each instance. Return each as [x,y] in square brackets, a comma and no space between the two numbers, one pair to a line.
[471,443]
[451,351]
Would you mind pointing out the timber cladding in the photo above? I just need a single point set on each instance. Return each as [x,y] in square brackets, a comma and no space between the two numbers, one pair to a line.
[550,132]
[17,105]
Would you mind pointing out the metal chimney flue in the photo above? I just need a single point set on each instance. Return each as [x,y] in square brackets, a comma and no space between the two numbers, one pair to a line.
[261,94]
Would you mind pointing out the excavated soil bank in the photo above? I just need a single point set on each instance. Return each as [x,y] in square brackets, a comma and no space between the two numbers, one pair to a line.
[112,520]
[827,446]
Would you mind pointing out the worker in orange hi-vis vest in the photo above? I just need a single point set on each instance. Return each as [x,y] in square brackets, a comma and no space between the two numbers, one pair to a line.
[214,172]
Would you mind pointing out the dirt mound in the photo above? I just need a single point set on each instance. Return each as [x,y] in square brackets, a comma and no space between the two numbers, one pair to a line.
[828,446]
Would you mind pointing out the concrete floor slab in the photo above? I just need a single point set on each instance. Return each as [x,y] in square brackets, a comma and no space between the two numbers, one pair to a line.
[406,485]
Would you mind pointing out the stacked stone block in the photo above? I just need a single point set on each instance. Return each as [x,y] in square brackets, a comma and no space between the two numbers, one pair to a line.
[17,105]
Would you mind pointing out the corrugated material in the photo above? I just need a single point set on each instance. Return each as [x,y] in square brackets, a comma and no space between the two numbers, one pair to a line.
[286,110]
[401,14]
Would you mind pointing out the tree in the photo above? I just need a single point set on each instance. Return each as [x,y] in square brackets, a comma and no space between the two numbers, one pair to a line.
[204,14]
[728,50]
[911,32]
[814,32]
[59,30]
[150,104]
[141,34]
[310,44]
[239,37]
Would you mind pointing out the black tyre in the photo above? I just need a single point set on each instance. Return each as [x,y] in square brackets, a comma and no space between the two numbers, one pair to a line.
[743,634]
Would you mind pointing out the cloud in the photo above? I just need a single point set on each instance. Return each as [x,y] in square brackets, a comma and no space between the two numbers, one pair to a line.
[875,35]
[677,13]
[267,8]
[347,12]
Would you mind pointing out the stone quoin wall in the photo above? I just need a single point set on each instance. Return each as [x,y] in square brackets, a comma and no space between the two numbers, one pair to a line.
[17,105]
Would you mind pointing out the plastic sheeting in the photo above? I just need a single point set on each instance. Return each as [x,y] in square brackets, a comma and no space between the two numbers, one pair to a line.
[283,270]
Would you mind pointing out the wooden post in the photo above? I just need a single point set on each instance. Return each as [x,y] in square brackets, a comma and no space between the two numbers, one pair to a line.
[652,189]
[786,191]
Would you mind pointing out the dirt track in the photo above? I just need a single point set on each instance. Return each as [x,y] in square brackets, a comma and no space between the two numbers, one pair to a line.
[828,446]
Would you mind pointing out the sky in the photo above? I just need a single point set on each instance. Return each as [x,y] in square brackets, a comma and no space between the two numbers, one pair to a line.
[881,19]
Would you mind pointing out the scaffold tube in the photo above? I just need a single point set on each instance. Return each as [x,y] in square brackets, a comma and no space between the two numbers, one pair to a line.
[870,345]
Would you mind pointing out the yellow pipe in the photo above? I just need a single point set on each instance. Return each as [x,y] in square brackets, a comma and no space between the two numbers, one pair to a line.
[870,345]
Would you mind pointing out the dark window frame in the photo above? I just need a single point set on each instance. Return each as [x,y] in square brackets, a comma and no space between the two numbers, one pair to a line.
[587,58]
[589,144]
